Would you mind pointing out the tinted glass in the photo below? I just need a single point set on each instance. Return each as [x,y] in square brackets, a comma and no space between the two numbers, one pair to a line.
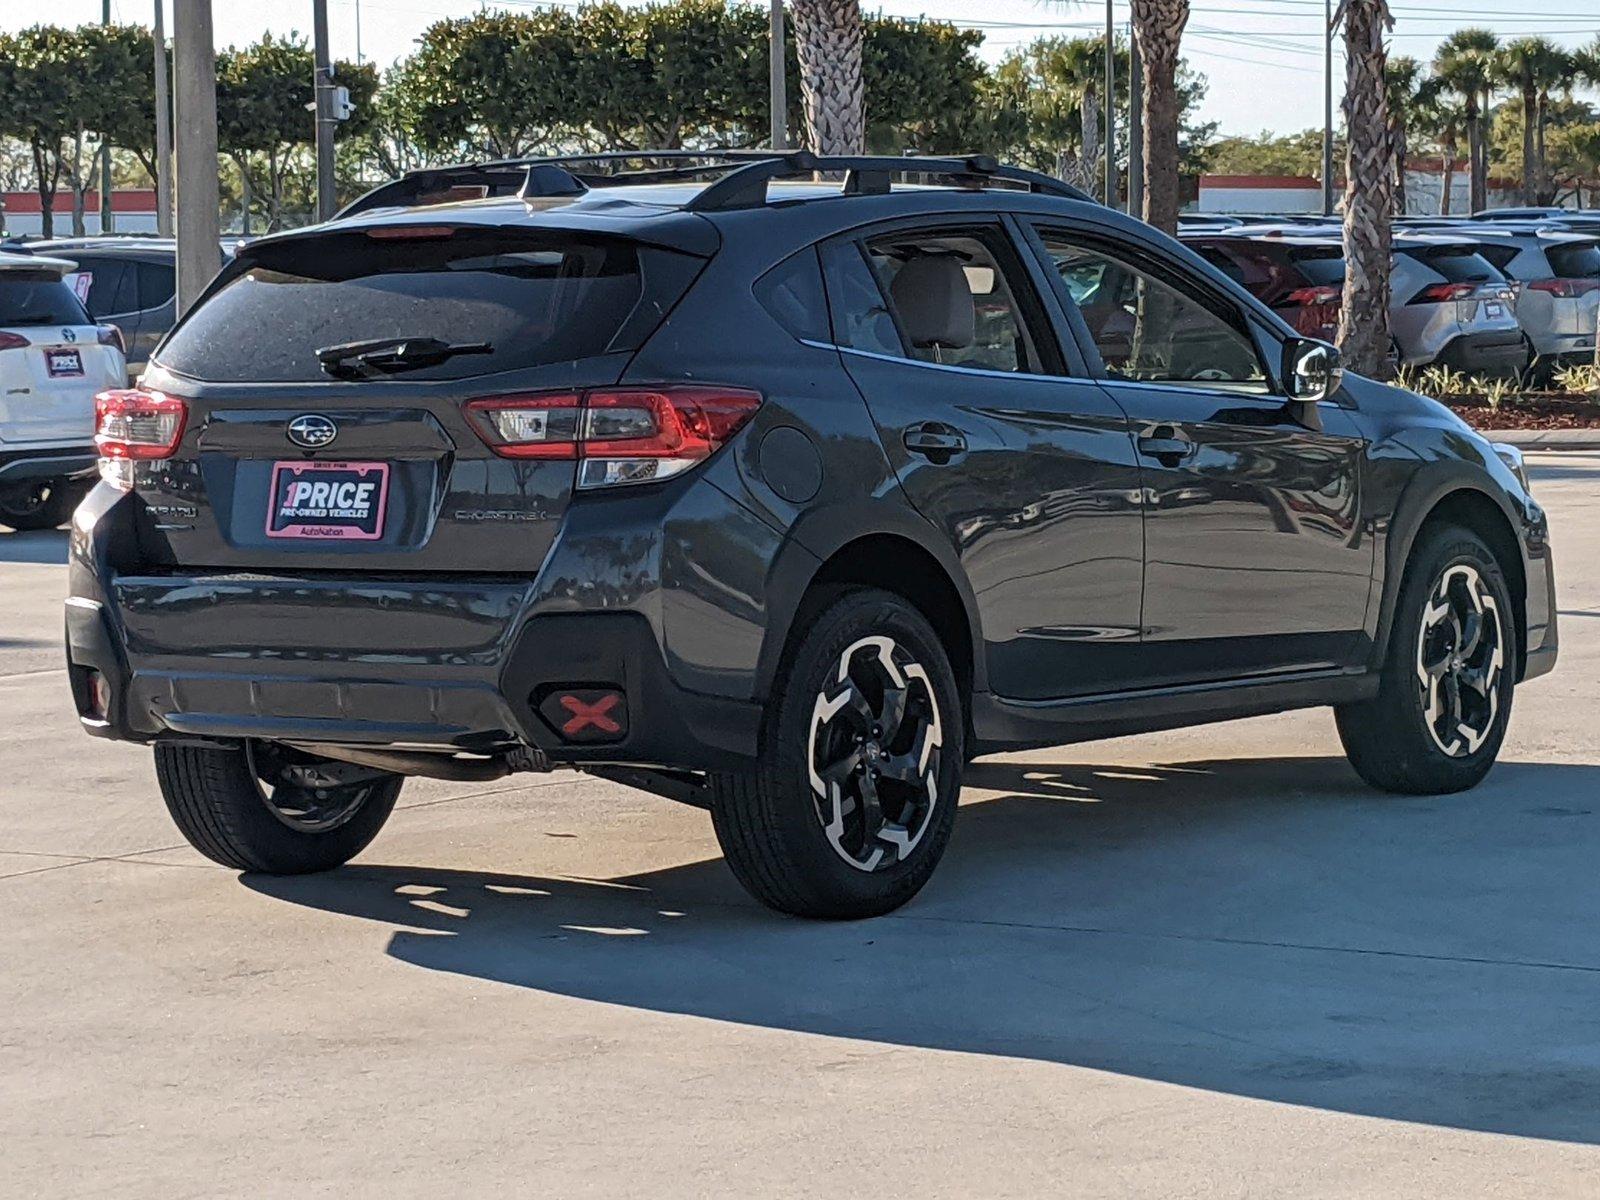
[1322,266]
[1458,266]
[978,322]
[860,314]
[113,286]
[792,293]
[535,298]
[157,283]
[1500,257]
[38,298]
[1575,262]
[1149,331]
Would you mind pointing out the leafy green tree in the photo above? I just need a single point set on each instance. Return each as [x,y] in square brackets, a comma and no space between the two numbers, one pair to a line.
[1464,64]
[45,102]
[264,123]
[924,86]
[1271,153]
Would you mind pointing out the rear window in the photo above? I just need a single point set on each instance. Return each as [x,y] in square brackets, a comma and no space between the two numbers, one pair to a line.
[1578,261]
[1322,266]
[38,298]
[1457,265]
[535,298]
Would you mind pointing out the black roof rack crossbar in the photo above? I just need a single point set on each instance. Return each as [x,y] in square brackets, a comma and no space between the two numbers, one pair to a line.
[743,183]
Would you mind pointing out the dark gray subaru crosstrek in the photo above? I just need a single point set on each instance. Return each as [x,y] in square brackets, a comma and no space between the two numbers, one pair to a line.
[780,497]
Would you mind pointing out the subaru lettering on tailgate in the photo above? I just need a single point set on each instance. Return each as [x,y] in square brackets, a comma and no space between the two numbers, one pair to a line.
[328,500]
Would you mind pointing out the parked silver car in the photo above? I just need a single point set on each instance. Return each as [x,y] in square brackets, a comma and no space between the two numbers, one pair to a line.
[1559,277]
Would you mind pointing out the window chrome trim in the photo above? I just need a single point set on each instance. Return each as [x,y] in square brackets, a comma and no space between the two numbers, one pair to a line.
[917,362]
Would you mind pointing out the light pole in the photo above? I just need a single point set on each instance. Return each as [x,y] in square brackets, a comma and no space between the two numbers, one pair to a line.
[1327,109]
[1110,109]
[194,63]
[107,219]
[775,77]
[163,129]
[324,110]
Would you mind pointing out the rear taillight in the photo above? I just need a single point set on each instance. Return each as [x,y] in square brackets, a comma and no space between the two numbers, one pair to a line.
[13,341]
[1567,289]
[619,435]
[1437,293]
[110,335]
[135,426]
[1314,295]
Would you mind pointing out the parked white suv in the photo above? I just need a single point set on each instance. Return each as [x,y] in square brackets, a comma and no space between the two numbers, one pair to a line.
[53,359]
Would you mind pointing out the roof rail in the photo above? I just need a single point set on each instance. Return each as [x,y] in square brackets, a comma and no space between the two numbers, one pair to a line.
[743,183]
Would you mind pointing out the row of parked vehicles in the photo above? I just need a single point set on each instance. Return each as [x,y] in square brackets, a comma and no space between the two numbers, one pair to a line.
[1512,292]
[77,315]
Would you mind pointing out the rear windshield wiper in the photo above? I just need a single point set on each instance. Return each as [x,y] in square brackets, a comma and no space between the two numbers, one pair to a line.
[395,354]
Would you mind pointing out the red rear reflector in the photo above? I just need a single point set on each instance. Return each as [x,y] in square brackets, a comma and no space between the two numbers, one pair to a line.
[411,233]
[1314,295]
[13,341]
[134,424]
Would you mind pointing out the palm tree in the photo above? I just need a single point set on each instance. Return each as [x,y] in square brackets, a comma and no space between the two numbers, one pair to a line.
[828,36]
[1532,67]
[1463,64]
[1368,193]
[1157,32]
[1402,84]
[1442,119]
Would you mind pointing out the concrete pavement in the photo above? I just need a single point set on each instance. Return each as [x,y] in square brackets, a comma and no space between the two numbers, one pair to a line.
[1204,963]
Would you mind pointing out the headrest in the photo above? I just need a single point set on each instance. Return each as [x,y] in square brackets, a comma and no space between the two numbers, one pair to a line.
[931,294]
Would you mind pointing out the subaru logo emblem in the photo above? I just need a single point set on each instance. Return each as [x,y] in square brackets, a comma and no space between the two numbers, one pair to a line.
[312,431]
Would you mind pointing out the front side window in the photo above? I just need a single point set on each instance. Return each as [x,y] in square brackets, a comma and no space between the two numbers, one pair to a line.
[1148,331]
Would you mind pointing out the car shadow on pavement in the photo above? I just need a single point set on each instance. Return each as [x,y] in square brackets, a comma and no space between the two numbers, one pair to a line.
[34,546]
[1265,928]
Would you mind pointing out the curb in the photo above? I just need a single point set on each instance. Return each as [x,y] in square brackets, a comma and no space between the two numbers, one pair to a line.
[1546,439]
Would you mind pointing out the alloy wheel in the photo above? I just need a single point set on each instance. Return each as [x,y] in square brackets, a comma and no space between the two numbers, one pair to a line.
[873,755]
[307,794]
[1460,654]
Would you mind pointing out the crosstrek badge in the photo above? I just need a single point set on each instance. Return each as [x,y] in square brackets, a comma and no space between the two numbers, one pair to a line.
[328,500]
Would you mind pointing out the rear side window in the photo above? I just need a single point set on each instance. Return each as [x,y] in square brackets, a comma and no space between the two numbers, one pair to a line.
[1500,257]
[792,293]
[157,283]
[1457,265]
[38,298]
[1577,261]
[113,286]
[536,298]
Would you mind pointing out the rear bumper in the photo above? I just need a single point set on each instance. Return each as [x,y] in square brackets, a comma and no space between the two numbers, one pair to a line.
[1501,351]
[446,662]
[21,464]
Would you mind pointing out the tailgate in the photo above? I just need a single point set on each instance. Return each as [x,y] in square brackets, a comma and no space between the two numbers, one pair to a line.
[311,441]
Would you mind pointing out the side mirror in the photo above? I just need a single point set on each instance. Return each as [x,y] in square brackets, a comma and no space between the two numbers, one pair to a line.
[1311,373]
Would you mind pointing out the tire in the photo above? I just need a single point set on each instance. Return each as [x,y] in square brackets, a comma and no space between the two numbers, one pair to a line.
[223,808]
[1424,734]
[798,841]
[38,504]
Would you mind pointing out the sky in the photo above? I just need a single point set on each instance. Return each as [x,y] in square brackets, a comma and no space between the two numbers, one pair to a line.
[1263,57]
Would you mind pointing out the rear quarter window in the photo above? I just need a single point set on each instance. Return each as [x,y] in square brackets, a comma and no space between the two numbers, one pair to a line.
[1574,261]
[38,298]
[535,297]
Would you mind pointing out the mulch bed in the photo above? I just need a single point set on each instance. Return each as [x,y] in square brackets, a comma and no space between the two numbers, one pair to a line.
[1528,412]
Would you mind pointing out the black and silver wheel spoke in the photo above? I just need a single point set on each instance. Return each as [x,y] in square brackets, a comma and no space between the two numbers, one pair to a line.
[1460,654]
[875,733]
[308,794]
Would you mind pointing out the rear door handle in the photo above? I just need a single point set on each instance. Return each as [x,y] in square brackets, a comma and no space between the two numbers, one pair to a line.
[935,440]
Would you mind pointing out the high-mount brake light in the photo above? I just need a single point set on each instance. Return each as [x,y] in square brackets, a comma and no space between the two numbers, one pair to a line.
[411,233]
[619,435]
[131,425]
